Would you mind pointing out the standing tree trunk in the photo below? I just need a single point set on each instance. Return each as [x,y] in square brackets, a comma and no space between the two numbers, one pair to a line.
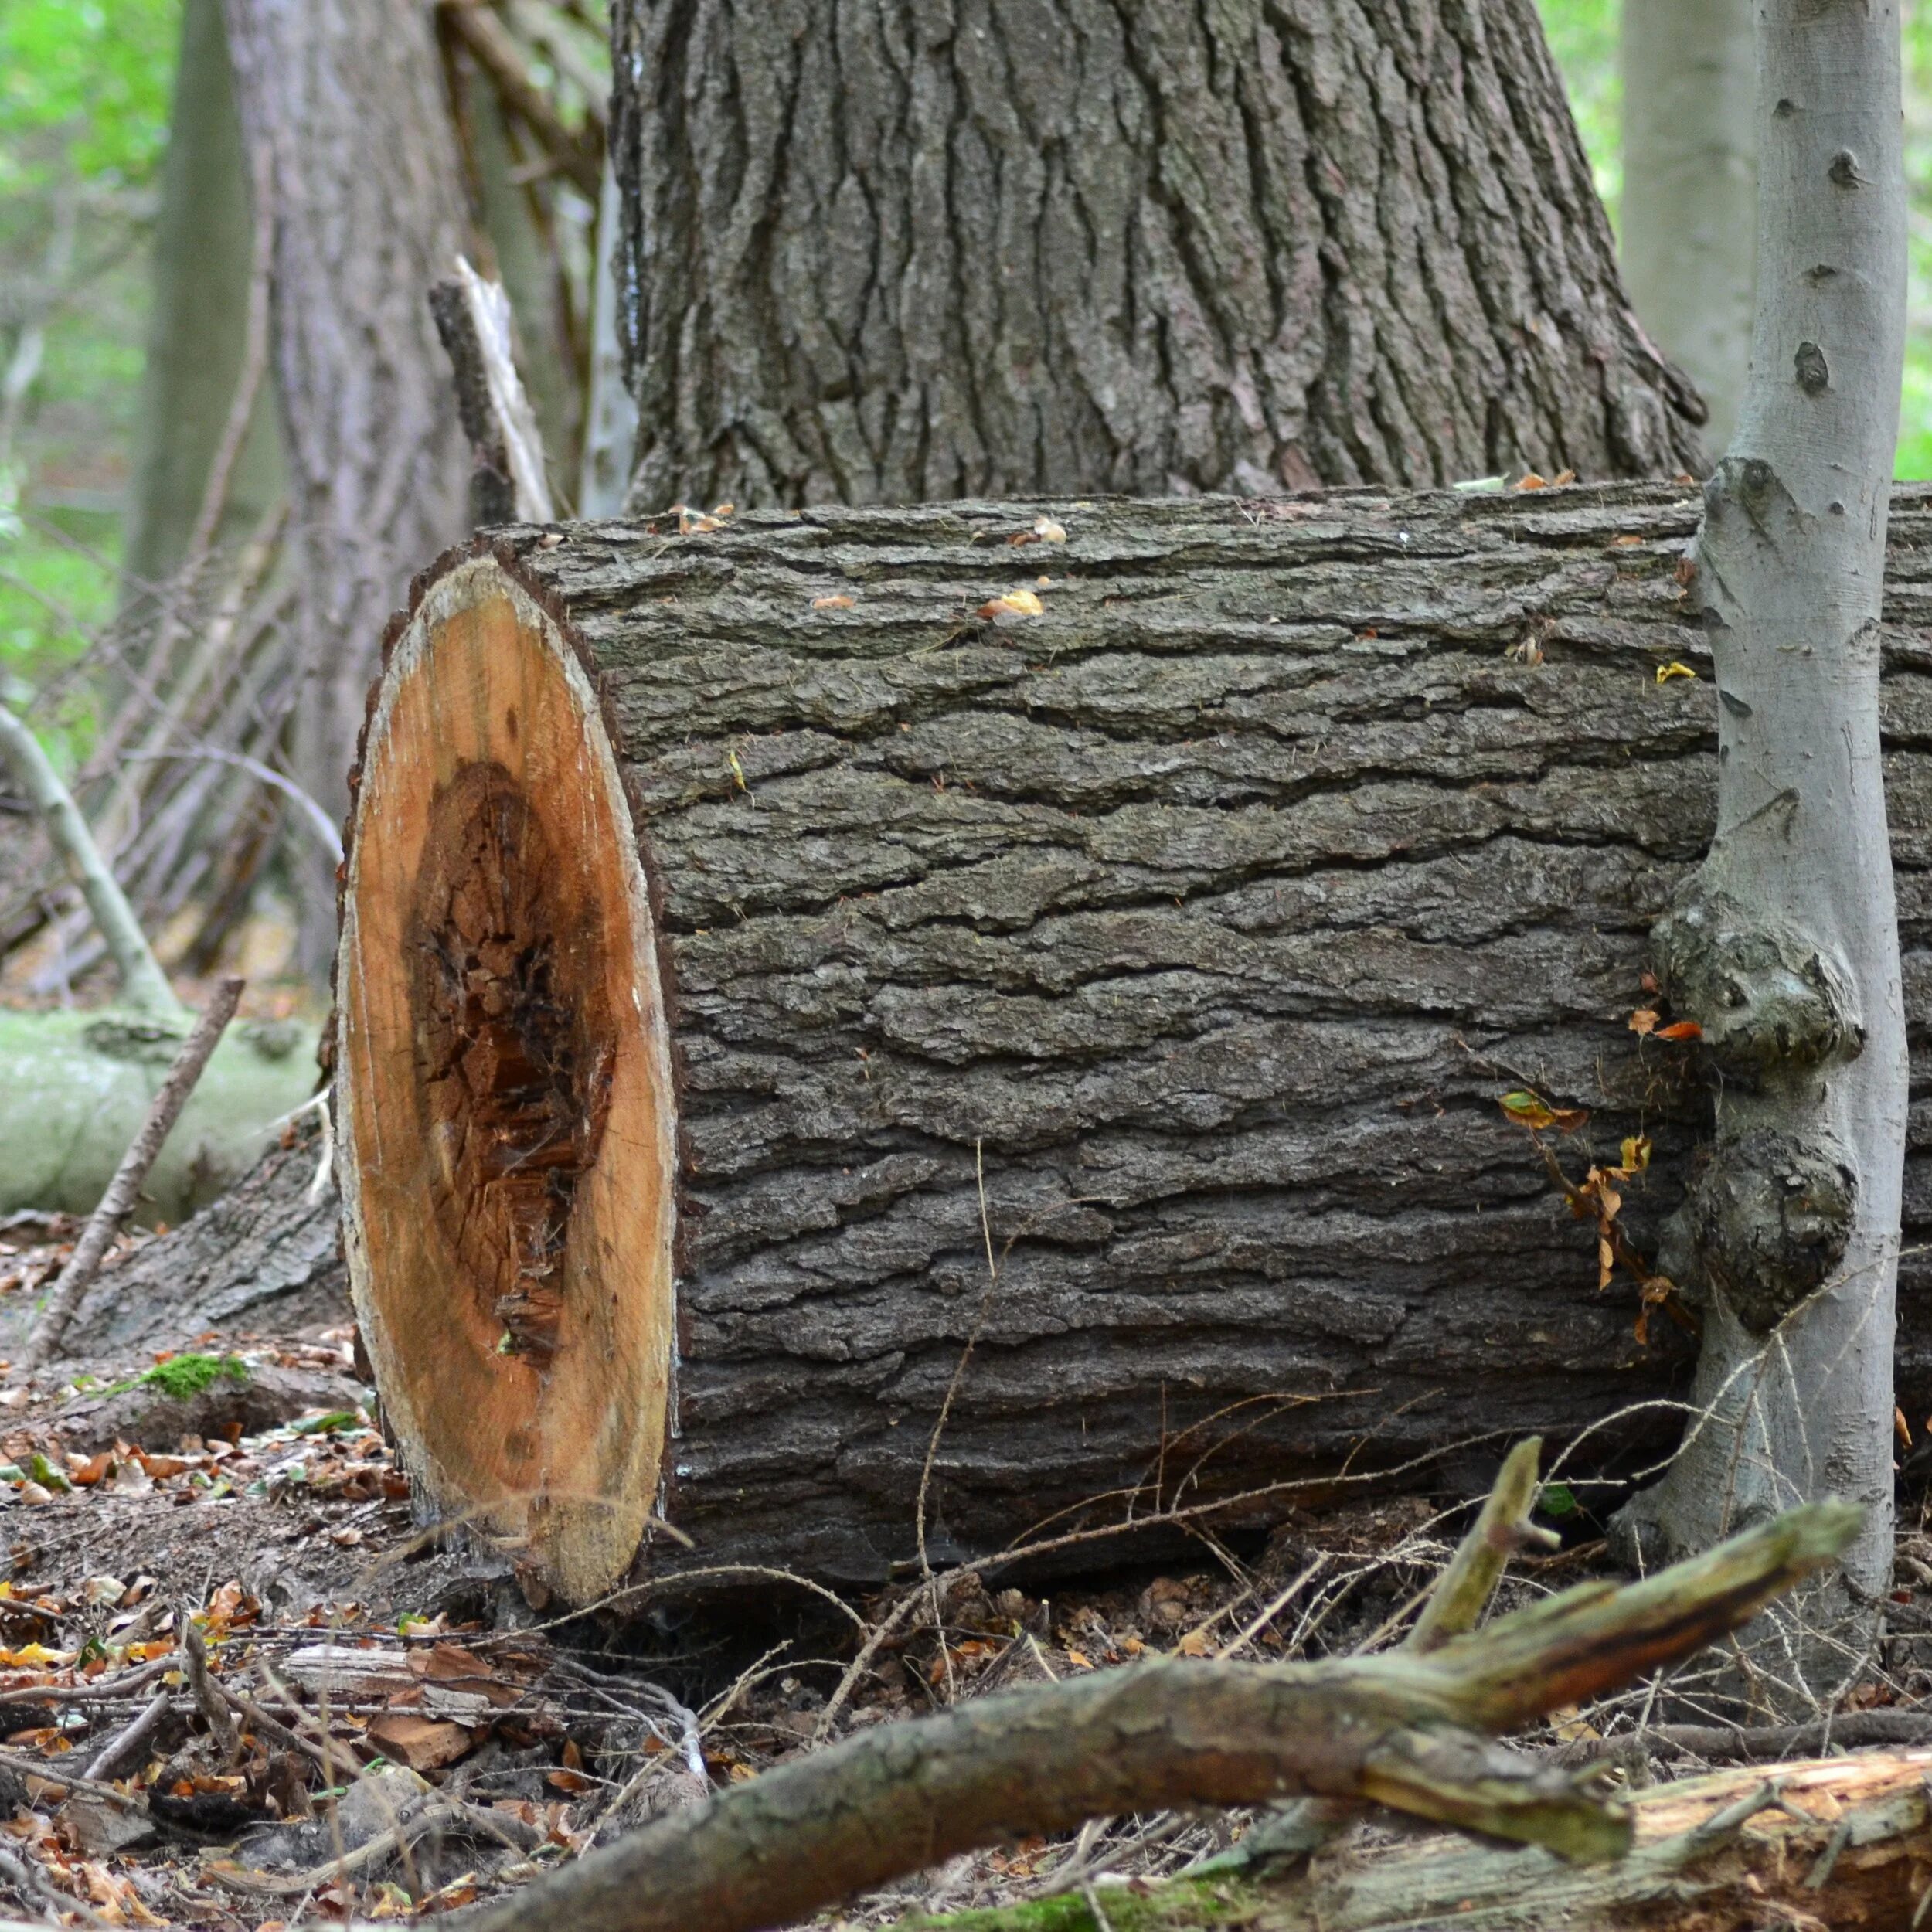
[1784,944]
[1690,189]
[1165,946]
[204,246]
[878,254]
[345,98]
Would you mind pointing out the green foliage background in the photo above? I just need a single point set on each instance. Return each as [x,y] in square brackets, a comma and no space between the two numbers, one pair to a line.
[84,97]
[1583,35]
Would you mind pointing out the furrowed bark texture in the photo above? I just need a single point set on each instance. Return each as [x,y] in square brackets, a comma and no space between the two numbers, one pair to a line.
[345,98]
[1784,944]
[1176,944]
[1688,237]
[872,254]
[265,1258]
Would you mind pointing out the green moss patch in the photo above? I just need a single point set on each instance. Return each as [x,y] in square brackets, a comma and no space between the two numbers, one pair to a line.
[182,1377]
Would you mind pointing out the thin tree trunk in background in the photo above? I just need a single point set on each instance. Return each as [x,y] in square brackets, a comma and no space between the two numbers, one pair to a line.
[1689,240]
[1784,945]
[346,98]
[204,245]
[610,417]
[883,253]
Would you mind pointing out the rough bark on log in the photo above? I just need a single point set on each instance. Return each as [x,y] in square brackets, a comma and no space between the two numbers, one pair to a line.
[1168,949]
[875,256]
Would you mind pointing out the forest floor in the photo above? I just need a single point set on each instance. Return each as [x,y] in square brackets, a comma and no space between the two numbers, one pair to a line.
[385,1726]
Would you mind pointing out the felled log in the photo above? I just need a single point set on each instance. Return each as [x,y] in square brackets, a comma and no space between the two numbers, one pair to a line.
[781,952]
[264,1258]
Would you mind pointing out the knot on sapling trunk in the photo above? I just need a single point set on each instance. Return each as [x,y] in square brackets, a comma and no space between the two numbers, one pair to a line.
[1766,1000]
[1770,1219]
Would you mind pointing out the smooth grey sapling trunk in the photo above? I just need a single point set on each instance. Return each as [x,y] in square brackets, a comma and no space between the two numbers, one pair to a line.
[1783,945]
[1688,239]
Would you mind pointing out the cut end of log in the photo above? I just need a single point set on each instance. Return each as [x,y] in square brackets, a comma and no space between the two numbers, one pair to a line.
[507,1114]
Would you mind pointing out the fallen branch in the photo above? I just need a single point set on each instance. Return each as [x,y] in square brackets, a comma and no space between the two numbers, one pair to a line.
[1454,1607]
[124,1189]
[143,984]
[507,483]
[214,1708]
[129,1738]
[1397,1729]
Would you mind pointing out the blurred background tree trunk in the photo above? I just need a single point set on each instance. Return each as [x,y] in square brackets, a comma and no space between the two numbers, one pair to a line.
[197,341]
[1690,190]
[345,99]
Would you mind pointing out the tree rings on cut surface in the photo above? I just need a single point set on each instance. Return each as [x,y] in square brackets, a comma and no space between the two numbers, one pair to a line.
[504,1078]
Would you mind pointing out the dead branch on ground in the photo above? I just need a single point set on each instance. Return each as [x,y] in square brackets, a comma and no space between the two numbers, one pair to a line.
[1399,1730]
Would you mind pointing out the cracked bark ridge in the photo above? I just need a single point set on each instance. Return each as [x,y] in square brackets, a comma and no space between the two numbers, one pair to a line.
[1204,916]
[1797,1221]
[877,254]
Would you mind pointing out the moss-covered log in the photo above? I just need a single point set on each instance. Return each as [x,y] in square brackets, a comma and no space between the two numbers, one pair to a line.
[76,1085]
[762,934]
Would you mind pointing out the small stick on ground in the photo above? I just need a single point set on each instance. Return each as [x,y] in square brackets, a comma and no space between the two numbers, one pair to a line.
[124,1189]
[129,1738]
[214,1707]
[143,984]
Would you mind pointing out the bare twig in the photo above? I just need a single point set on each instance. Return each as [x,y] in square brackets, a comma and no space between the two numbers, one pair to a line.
[118,1202]
[214,1707]
[129,1738]
[500,57]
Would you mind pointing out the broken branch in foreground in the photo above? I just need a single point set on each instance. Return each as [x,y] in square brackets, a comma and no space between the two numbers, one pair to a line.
[1399,1729]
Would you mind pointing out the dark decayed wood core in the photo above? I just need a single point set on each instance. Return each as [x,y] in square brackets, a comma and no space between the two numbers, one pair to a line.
[508,1200]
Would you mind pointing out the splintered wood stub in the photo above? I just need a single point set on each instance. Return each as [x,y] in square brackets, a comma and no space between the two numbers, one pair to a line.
[504,1074]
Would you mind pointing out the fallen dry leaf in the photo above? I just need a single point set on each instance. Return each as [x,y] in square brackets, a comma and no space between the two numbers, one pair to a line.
[1681,1029]
[842,602]
[1644,1021]
[1014,603]
[1667,672]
